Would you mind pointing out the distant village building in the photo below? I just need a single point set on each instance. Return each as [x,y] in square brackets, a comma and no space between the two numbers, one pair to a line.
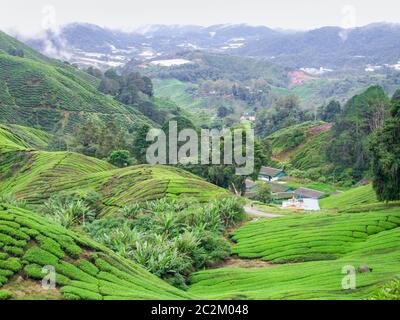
[247,117]
[282,196]
[271,174]
[302,204]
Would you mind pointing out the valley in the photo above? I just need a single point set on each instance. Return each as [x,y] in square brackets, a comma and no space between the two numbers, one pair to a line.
[77,193]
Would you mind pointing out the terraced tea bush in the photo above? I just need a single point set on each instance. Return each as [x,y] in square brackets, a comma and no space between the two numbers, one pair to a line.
[311,237]
[49,95]
[351,198]
[37,176]
[327,244]
[94,272]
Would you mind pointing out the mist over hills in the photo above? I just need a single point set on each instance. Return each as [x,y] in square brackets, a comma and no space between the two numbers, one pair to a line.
[328,47]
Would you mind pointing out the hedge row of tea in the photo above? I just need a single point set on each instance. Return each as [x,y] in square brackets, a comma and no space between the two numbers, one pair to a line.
[15,137]
[364,195]
[311,237]
[84,269]
[331,245]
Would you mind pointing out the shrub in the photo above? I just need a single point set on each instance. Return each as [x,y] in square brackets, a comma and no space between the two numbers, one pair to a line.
[5,295]
[120,158]
[263,192]
[131,211]
[13,201]
[171,238]
[390,291]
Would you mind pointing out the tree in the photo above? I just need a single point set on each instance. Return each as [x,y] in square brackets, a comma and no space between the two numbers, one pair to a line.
[111,138]
[109,86]
[86,137]
[386,156]
[223,111]
[362,116]
[263,192]
[328,113]
[140,144]
[94,72]
[112,74]
[16,52]
[147,88]
[97,140]
[284,113]
[119,158]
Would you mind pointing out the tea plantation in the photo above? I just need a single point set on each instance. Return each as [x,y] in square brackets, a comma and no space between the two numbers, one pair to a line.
[84,269]
[322,245]
[55,97]
[37,175]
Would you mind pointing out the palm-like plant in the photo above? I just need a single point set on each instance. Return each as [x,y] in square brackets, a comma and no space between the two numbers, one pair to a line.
[68,213]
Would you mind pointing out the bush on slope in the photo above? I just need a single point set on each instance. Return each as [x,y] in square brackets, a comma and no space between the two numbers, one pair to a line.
[14,137]
[364,195]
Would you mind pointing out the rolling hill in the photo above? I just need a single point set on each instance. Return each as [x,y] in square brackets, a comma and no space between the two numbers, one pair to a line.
[302,146]
[83,269]
[53,96]
[309,253]
[37,175]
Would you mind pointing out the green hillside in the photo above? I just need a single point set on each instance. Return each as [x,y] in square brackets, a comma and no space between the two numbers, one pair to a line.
[8,43]
[303,147]
[84,269]
[306,253]
[364,195]
[47,94]
[329,242]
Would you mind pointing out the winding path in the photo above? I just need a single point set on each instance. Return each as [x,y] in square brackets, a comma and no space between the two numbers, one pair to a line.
[253,212]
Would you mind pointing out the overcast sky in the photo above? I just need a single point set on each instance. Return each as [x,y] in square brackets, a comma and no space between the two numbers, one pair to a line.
[30,16]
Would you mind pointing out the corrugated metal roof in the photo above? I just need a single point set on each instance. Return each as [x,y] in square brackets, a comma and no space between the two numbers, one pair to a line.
[309,193]
[277,187]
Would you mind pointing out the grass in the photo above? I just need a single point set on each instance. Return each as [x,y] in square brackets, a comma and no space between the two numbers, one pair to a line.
[84,269]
